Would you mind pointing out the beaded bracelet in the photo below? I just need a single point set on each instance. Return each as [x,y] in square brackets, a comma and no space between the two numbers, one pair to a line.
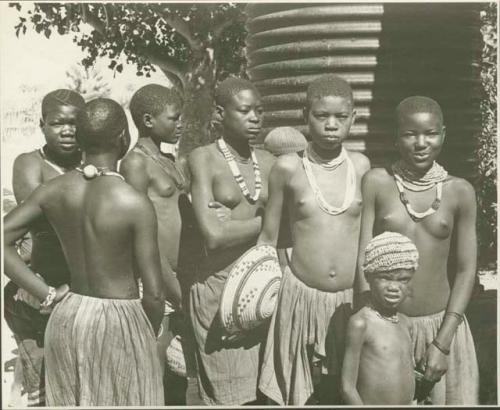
[49,300]
[459,316]
[441,348]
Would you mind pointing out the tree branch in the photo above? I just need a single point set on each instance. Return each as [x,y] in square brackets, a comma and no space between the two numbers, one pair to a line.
[93,20]
[169,66]
[181,27]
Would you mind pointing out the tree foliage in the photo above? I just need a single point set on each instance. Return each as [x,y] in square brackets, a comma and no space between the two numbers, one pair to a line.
[194,44]
[487,147]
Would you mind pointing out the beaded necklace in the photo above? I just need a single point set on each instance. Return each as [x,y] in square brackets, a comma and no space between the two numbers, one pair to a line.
[350,188]
[416,183]
[434,177]
[393,319]
[229,157]
[330,164]
[91,171]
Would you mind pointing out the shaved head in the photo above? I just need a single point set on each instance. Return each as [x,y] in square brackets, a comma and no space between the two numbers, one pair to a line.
[101,126]
[418,104]
[230,87]
[61,97]
[152,99]
[329,85]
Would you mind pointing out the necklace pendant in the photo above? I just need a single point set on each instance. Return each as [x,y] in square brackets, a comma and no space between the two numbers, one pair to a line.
[90,171]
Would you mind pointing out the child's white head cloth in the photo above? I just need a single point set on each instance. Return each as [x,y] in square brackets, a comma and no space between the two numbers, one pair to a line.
[390,251]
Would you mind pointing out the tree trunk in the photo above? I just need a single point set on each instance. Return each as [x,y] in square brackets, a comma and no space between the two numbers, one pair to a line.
[198,106]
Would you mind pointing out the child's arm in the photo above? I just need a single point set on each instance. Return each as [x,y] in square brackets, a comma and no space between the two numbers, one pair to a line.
[355,339]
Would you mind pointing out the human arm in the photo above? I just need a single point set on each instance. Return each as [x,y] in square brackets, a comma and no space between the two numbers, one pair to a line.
[368,193]
[26,176]
[434,361]
[217,234]
[278,178]
[147,257]
[16,224]
[355,338]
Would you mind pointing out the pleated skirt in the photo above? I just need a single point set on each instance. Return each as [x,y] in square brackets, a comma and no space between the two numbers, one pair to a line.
[227,372]
[308,325]
[460,383]
[101,352]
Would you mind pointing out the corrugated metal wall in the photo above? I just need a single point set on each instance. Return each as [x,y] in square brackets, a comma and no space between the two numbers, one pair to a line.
[386,51]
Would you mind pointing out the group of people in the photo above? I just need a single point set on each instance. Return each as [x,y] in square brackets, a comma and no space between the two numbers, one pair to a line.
[378,265]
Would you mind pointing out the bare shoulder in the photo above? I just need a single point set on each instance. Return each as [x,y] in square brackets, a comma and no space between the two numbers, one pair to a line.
[461,187]
[376,176]
[360,161]
[265,156]
[133,161]
[28,159]
[127,198]
[287,164]
[201,156]
[358,321]
[405,321]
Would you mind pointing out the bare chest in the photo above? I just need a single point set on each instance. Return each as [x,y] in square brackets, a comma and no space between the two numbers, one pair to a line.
[392,214]
[229,191]
[310,193]
[163,183]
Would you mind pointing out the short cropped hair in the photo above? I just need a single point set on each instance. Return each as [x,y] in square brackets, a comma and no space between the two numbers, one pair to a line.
[61,97]
[230,87]
[103,122]
[329,85]
[152,99]
[417,104]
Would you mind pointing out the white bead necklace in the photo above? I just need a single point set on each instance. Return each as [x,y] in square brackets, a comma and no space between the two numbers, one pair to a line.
[405,178]
[418,216]
[229,157]
[350,188]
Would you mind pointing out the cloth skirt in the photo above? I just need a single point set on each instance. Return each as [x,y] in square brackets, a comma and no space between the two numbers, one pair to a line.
[227,372]
[308,325]
[460,384]
[101,352]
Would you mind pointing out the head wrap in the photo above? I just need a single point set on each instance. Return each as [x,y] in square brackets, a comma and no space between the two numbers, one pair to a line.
[284,140]
[390,251]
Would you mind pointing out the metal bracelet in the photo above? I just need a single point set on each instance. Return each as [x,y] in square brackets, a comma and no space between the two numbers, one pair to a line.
[49,300]
[459,316]
[441,348]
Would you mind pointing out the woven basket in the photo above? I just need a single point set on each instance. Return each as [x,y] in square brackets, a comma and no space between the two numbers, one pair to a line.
[249,296]
[175,357]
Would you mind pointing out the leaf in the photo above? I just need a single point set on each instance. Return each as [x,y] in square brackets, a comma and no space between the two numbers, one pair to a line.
[119,68]
[47,32]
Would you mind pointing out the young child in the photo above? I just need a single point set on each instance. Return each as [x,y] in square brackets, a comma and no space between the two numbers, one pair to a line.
[319,190]
[378,363]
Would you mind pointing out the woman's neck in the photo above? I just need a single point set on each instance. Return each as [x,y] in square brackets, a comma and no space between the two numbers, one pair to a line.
[240,149]
[69,161]
[326,154]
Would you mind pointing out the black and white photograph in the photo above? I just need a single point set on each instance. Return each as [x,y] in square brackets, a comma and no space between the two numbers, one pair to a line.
[256,204]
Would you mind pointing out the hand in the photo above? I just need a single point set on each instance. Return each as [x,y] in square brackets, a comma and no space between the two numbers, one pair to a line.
[61,292]
[223,213]
[434,364]
[26,297]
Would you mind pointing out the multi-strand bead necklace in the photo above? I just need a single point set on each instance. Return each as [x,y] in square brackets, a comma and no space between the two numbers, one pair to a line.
[405,178]
[330,165]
